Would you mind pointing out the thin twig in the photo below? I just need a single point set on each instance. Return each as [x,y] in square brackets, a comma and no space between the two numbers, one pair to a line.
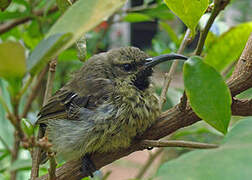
[14,154]
[53,164]
[219,5]
[34,92]
[49,85]
[169,76]
[144,168]
[9,25]
[18,135]
[177,143]
[23,90]
[48,94]
[37,150]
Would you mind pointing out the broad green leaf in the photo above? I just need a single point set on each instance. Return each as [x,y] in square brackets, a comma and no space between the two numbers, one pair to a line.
[207,92]
[46,50]
[160,12]
[82,16]
[228,47]
[231,161]
[21,164]
[12,60]
[189,11]
[170,32]
[136,17]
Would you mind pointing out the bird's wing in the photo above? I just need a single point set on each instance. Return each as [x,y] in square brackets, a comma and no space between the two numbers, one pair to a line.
[66,104]
[60,105]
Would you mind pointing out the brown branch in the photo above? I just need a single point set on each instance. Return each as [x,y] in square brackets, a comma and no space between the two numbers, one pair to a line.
[219,5]
[9,25]
[14,155]
[242,107]
[169,122]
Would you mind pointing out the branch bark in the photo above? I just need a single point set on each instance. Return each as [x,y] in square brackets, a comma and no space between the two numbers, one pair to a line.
[9,25]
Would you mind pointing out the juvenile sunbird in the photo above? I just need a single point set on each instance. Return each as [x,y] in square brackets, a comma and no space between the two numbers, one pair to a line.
[106,104]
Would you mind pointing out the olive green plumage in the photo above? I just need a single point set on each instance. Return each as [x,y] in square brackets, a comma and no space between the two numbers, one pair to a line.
[105,105]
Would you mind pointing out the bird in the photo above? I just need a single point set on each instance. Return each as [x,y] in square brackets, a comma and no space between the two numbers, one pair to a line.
[107,103]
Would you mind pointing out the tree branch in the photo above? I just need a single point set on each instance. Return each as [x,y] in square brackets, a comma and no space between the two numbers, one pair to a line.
[176,143]
[219,5]
[9,25]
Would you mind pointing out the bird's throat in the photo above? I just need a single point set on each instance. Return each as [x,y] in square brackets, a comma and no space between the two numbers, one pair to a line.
[142,80]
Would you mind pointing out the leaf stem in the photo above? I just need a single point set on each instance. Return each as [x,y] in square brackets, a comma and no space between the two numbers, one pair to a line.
[169,76]
[219,5]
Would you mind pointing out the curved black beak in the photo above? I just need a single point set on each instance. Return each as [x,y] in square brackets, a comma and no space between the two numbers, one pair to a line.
[153,61]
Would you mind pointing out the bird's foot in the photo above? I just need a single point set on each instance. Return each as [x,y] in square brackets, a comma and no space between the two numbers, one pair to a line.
[88,166]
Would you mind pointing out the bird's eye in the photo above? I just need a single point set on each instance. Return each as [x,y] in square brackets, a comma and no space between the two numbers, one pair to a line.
[127,67]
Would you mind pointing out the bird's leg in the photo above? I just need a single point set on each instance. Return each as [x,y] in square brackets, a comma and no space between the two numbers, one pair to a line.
[88,165]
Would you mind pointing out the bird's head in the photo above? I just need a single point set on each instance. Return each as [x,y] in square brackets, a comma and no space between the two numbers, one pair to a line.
[128,64]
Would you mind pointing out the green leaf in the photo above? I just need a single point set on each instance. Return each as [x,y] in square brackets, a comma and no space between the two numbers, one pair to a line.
[208,94]
[91,13]
[231,161]
[160,12]
[21,164]
[13,15]
[45,51]
[136,17]
[189,11]
[228,47]
[12,60]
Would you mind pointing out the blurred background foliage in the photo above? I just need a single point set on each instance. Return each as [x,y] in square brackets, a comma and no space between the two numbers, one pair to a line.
[147,24]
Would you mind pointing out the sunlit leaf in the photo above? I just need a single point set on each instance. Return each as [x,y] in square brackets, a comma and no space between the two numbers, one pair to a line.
[208,94]
[160,11]
[136,17]
[231,161]
[91,12]
[13,65]
[189,11]
[45,51]
[228,47]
